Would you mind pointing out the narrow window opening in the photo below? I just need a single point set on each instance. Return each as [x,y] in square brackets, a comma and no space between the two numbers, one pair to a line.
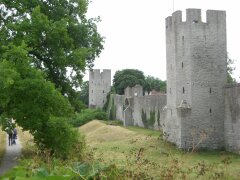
[210,90]
[170,91]
[182,64]
[103,91]
[92,91]
[210,110]
[183,90]
[103,101]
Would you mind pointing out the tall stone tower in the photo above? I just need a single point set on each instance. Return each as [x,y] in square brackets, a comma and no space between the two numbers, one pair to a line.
[99,87]
[196,74]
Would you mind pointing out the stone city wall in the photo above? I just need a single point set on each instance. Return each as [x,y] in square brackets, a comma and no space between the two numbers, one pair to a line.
[146,111]
[232,119]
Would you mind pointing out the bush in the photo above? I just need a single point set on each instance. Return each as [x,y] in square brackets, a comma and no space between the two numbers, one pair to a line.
[59,138]
[87,115]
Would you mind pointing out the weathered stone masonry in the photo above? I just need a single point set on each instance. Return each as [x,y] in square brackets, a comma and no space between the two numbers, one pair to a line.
[232,118]
[99,87]
[135,109]
[199,107]
[196,75]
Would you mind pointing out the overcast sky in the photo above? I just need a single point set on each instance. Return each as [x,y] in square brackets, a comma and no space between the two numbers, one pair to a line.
[135,32]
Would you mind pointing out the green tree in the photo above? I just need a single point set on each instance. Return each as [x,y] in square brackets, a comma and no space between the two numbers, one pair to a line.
[154,83]
[62,41]
[84,93]
[127,77]
[35,104]
[230,70]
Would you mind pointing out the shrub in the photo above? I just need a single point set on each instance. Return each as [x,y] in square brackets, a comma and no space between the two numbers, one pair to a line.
[87,115]
[59,138]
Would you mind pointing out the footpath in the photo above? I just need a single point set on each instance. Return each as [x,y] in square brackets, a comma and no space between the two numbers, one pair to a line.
[10,157]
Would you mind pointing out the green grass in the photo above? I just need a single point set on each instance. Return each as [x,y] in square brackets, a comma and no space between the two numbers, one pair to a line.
[145,131]
[115,152]
[27,142]
[2,144]
[142,150]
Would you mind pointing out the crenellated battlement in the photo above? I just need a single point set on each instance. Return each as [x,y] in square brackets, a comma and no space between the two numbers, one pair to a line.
[97,74]
[193,16]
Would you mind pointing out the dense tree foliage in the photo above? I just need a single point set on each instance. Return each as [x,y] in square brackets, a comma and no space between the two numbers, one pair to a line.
[35,104]
[84,93]
[131,77]
[127,77]
[154,83]
[62,41]
[45,47]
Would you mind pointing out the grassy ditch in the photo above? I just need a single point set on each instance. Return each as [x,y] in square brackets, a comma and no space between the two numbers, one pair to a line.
[143,154]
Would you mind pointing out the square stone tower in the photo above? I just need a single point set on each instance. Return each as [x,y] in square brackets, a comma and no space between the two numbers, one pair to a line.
[99,87]
[196,74]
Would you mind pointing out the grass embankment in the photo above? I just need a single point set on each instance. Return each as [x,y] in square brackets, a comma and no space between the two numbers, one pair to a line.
[143,153]
[2,144]
[26,141]
[36,164]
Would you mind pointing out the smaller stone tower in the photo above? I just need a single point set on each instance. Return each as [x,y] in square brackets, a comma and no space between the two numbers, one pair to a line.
[99,87]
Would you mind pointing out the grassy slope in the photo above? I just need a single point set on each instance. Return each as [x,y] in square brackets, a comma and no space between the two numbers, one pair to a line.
[2,143]
[26,140]
[142,150]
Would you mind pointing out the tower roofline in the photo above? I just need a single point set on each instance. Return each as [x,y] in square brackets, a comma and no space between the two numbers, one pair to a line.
[194,16]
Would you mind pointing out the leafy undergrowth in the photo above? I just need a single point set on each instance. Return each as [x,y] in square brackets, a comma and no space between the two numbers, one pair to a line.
[38,165]
[59,171]
[143,154]
[86,115]
[119,153]
[2,144]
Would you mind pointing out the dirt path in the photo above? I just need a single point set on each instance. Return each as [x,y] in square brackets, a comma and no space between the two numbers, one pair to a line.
[10,157]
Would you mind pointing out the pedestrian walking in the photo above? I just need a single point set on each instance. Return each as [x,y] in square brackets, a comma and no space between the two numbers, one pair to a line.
[10,138]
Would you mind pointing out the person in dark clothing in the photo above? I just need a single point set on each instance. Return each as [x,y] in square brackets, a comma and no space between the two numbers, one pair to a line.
[10,138]
[14,136]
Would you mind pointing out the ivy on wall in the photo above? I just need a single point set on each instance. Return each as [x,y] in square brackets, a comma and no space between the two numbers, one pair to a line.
[144,118]
[158,118]
[113,110]
[149,122]
[107,103]
[152,118]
